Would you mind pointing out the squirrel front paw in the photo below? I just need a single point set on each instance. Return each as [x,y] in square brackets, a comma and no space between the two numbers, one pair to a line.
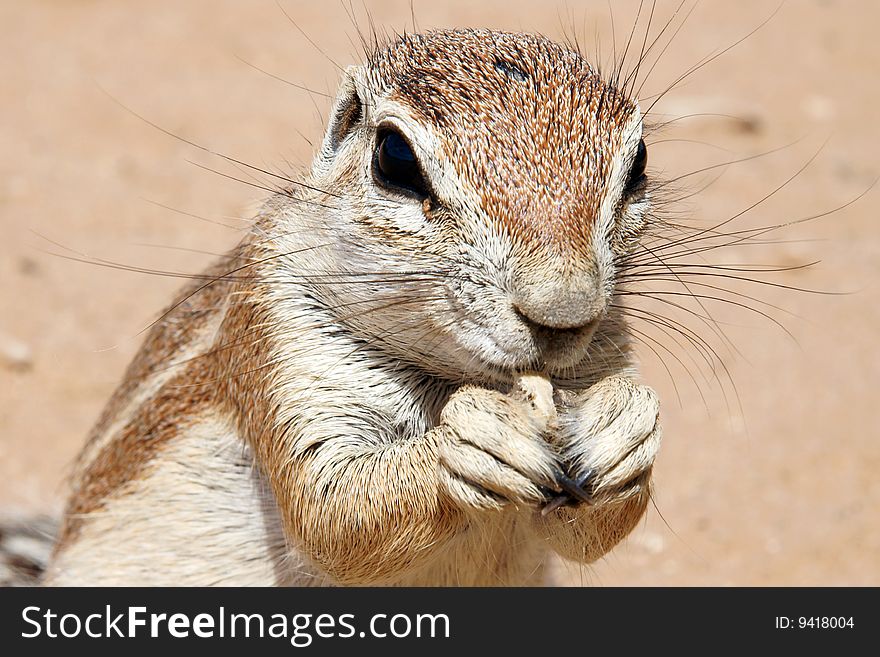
[494,449]
[609,438]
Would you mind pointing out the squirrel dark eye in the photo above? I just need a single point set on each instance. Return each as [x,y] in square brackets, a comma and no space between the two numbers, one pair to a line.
[637,172]
[395,166]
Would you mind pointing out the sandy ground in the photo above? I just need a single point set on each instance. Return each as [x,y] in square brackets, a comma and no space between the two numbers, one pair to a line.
[779,488]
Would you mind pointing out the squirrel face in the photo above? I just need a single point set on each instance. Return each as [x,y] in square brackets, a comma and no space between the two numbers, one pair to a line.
[499,179]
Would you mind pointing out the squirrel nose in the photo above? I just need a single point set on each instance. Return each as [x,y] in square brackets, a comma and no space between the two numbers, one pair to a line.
[559,305]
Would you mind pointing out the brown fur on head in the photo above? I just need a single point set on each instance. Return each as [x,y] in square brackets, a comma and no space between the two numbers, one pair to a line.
[528,124]
[530,188]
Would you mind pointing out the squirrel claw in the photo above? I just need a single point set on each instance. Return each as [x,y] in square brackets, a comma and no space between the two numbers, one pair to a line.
[573,492]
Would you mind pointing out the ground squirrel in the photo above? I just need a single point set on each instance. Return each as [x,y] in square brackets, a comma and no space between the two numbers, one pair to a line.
[410,371]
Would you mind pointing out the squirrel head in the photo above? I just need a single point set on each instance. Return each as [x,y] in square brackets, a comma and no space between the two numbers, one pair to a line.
[502,160]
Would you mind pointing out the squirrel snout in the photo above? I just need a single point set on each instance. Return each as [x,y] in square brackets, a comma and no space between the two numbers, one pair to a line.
[559,305]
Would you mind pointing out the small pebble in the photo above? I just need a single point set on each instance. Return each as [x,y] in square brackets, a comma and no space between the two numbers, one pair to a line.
[15,355]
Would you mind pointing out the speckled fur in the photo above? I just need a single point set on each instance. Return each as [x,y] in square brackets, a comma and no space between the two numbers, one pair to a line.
[342,401]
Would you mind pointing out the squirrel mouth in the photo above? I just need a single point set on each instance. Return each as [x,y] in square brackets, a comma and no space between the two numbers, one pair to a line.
[548,348]
[518,343]
[548,336]
[563,347]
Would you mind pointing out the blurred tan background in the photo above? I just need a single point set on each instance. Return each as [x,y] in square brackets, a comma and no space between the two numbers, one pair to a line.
[784,491]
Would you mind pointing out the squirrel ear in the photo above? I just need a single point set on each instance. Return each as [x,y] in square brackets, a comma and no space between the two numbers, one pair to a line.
[347,111]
